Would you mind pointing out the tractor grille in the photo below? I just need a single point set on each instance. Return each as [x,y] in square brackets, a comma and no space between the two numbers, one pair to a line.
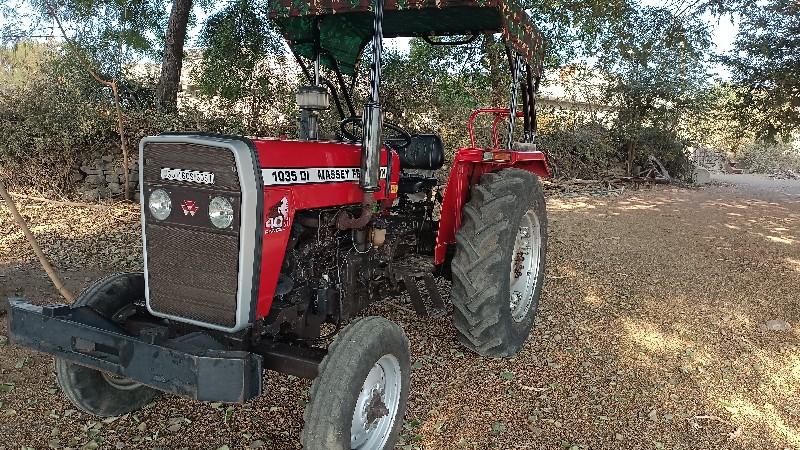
[191,157]
[193,274]
[192,267]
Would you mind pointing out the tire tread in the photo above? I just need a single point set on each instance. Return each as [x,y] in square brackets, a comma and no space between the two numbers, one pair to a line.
[487,222]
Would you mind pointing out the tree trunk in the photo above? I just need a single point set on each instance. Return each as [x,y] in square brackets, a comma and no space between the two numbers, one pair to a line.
[631,156]
[173,55]
[495,75]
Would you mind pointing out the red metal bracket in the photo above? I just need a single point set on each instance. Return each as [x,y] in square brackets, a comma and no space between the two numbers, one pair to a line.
[499,114]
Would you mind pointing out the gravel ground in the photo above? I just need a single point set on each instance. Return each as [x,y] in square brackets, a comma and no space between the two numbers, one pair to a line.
[656,331]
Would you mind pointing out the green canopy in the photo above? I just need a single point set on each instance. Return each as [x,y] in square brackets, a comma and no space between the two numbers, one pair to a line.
[345,26]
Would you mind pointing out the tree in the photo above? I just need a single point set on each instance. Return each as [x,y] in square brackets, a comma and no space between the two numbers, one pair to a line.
[108,32]
[172,61]
[576,28]
[765,64]
[718,124]
[244,64]
[655,73]
[111,34]
[19,62]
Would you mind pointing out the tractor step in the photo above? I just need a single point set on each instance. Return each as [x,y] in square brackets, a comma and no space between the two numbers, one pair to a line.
[410,277]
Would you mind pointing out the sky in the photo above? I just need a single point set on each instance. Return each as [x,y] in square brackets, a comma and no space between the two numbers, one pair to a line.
[723,34]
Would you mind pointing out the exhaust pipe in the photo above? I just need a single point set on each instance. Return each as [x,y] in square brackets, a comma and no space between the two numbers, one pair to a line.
[371,142]
[371,148]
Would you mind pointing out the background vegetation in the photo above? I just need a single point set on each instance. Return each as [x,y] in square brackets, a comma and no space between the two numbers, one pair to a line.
[649,64]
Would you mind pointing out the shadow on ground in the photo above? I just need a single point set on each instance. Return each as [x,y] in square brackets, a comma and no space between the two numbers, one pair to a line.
[649,337]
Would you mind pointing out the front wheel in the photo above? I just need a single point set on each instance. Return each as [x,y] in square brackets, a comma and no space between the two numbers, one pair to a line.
[498,267]
[91,390]
[359,398]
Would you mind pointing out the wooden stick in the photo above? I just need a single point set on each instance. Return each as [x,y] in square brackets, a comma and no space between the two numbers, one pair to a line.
[32,240]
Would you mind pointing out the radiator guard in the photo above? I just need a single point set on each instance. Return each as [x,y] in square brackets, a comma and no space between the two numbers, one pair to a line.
[239,312]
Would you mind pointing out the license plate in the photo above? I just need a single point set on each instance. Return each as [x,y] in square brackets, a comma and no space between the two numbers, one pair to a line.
[190,176]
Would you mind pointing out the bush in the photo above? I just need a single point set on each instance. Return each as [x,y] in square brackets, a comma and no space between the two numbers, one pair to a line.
[761,157]
[59,115]
[582,153]
[45,124]
[663,145]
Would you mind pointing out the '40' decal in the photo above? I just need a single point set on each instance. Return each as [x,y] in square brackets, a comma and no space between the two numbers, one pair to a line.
[277,217]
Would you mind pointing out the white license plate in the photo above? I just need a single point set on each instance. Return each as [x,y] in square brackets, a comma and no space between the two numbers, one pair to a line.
[190,176]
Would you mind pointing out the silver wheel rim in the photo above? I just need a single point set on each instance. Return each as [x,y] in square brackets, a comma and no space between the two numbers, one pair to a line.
[377,404]
[525,261]
[123,384]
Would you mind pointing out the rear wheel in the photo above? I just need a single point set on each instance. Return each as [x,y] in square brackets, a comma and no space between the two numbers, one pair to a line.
[498,267]
[91,390]
[359,398]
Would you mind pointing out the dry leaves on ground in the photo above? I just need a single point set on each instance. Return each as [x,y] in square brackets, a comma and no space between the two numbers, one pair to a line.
[656,331]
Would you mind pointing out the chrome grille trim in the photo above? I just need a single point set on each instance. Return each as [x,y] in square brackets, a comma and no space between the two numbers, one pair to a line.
[248,175]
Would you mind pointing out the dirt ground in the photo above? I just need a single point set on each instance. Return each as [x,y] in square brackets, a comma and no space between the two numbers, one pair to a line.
[660,328]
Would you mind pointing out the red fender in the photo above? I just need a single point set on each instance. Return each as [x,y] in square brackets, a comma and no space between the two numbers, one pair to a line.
[468,166]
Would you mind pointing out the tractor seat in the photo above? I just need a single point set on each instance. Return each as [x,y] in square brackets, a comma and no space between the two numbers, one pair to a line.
[426,152]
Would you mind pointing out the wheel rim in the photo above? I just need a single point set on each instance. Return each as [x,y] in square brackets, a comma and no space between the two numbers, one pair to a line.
[525,266]
[123,384]
[377,404]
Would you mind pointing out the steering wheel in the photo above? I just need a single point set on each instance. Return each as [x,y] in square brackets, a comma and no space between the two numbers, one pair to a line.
[398,141]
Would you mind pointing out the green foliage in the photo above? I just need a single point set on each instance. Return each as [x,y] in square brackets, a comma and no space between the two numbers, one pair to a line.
[244,66]
[576,29]
[586,152]
[656,76]
[109,33]
[663,145]
[718,123]
[47,121]
[19,62]
[770,157]
[765,63]
[656,70]
[59,115]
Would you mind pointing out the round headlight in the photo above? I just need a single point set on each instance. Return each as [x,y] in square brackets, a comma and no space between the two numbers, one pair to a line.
[160,204]
[220,211]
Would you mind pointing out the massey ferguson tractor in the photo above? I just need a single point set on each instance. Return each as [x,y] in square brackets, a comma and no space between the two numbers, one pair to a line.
[254,247]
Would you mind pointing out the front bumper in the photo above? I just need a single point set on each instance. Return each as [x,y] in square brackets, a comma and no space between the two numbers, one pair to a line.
[179,366]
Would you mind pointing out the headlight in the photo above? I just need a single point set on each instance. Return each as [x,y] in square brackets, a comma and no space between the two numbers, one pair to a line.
[220,211]
[160,204]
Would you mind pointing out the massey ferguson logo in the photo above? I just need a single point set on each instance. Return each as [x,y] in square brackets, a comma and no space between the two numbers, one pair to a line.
[189,207]
[277,217]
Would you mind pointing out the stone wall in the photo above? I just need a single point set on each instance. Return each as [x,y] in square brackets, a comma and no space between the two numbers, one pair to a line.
[103,176]
[711,159]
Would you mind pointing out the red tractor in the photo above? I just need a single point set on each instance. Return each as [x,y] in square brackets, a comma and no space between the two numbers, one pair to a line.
[253,247]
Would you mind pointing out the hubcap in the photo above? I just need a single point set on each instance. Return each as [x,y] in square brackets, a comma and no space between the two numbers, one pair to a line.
[525,265]
[376,407]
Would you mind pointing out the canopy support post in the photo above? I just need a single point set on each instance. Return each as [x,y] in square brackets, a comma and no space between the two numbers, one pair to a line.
[515,63]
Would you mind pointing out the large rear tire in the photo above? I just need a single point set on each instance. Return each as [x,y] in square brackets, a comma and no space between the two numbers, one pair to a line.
[91,390]
[498,267]
[359,398]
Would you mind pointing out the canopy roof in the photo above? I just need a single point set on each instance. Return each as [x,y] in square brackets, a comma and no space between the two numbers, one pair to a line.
[345,26]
